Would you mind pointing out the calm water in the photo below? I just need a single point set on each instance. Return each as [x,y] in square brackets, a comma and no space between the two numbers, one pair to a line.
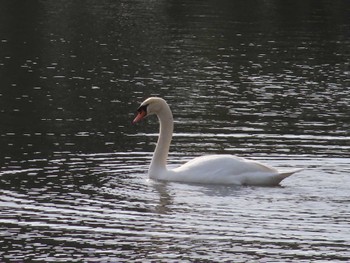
[267,80]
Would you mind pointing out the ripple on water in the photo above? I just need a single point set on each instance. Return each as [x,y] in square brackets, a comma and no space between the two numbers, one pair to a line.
[120,214]
[273,89]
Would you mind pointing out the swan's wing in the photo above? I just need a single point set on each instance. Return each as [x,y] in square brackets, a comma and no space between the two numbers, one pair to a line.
[227,169]
[220,169]
[231,163]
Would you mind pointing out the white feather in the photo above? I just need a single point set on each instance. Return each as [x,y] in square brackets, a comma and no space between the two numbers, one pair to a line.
[210,169]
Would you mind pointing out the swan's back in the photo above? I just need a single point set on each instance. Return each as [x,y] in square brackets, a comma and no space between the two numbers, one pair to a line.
[225,169]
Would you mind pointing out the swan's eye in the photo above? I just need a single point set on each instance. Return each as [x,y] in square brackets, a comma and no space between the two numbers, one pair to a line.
[142,108]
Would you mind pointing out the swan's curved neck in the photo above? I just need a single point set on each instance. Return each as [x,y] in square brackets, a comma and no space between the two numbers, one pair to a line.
[166,126]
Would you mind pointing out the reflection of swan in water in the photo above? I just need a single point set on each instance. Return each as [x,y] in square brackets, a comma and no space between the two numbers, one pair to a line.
[165,199]
[211,169]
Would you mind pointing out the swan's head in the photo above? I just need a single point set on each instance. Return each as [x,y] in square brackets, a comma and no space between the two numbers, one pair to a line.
[152,105]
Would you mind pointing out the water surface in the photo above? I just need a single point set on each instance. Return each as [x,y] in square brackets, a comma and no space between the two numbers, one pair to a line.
[263,80]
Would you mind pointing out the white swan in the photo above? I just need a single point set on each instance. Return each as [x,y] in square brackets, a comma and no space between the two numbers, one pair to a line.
[210,169]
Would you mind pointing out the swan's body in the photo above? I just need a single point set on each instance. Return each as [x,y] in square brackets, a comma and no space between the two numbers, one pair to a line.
[210,169]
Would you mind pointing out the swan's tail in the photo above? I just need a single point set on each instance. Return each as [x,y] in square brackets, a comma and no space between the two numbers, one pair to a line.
[272,179]
[284,175]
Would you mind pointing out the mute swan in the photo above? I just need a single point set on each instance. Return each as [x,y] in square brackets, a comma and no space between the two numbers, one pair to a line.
[210,169]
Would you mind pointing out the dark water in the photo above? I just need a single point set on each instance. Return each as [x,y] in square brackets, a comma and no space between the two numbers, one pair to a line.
[268,80]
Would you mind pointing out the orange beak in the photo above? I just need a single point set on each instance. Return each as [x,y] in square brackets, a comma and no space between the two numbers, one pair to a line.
[140,115]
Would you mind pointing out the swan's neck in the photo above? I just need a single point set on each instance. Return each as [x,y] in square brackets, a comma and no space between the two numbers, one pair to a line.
[166,126]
